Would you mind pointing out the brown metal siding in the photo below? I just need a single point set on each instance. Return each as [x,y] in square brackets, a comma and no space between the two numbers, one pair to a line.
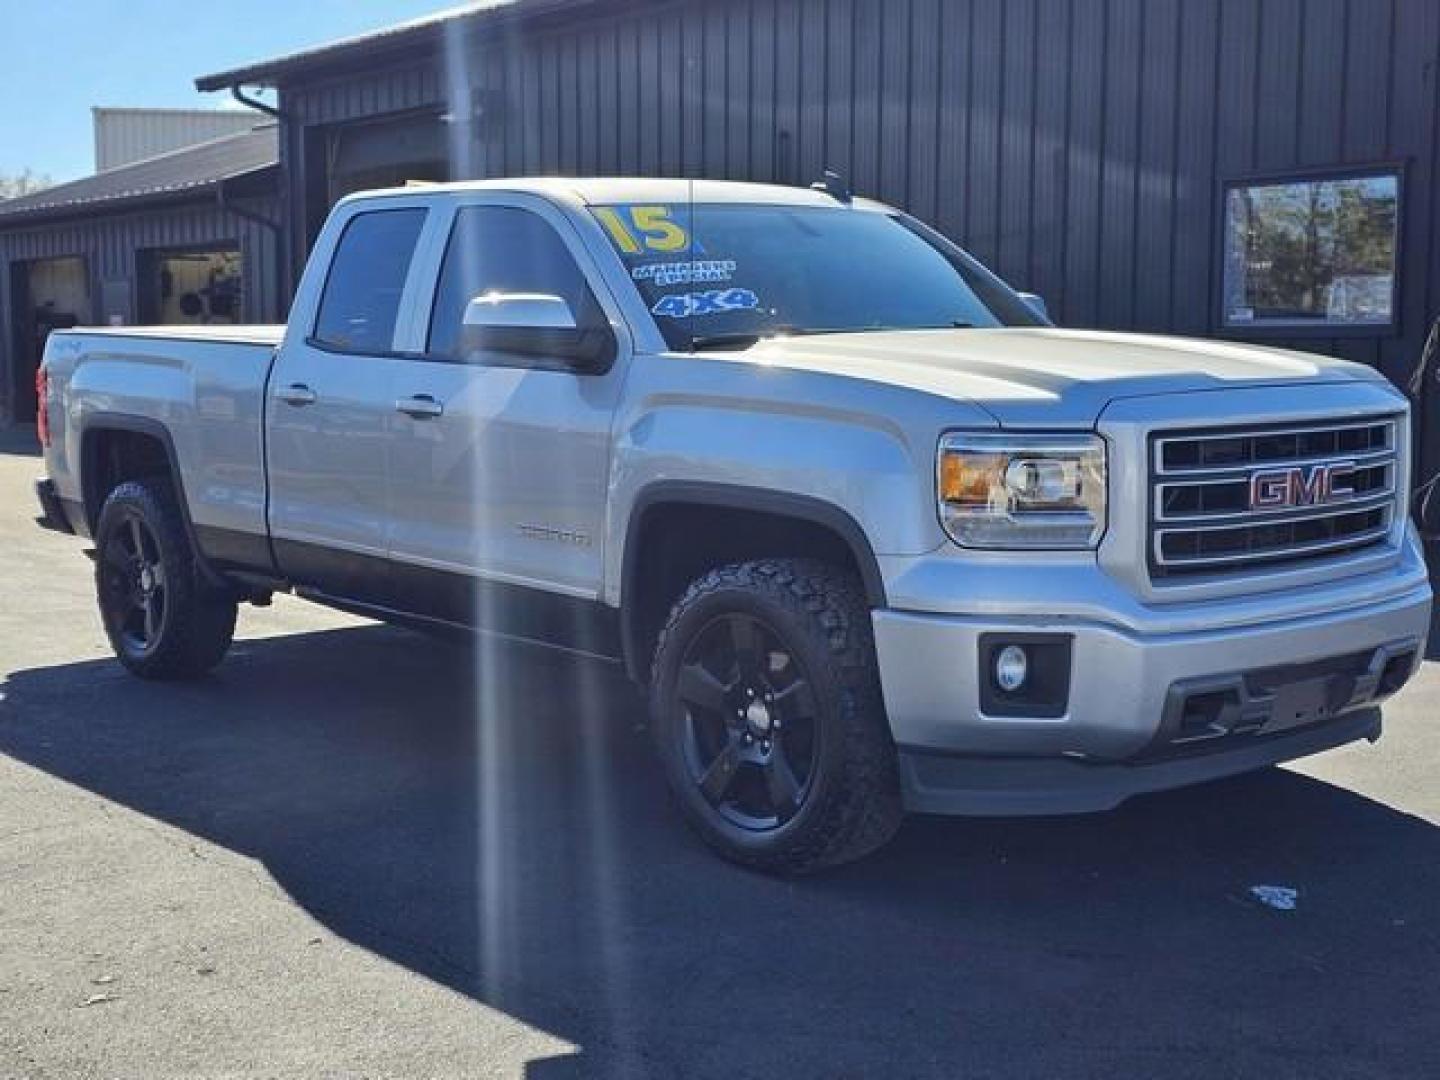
[1078,146]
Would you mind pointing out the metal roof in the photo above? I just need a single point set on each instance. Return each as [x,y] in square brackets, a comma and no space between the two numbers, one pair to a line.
[186,171]
[425,31]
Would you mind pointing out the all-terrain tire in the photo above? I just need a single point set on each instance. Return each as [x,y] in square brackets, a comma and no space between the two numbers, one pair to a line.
[818,612]
[194,623]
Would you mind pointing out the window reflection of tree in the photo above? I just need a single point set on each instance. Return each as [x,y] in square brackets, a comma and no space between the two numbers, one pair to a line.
[1303,241]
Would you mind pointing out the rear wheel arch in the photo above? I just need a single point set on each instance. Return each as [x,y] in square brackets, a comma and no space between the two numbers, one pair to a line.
[117,448]
[679,530]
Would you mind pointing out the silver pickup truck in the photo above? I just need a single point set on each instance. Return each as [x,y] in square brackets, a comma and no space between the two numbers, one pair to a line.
[871,532]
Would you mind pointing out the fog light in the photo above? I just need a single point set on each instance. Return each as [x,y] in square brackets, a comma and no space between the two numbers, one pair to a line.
[1011,668]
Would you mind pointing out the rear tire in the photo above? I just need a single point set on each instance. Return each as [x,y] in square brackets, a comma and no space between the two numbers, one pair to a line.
[163,620]
[769,719]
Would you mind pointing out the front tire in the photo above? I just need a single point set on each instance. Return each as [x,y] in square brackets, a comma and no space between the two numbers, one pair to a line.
[768,715]
[162,619]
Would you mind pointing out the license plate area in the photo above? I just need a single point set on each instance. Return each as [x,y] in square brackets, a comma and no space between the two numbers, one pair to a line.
[1216,711]
[1296,705]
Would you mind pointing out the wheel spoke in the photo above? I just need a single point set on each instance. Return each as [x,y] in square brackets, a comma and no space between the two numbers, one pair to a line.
[721,773]
[137,537]
[699,687]
[781,784]
[797,700]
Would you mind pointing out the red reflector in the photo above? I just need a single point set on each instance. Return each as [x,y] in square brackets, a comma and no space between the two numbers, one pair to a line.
[42,408]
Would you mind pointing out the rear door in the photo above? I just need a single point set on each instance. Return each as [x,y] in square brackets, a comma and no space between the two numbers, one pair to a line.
[331,410]
[498,495]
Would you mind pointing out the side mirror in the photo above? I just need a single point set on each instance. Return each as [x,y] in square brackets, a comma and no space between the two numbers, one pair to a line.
[536,326]
[1037,304]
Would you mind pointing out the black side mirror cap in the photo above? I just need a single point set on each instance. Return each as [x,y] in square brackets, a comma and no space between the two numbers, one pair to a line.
[587,350]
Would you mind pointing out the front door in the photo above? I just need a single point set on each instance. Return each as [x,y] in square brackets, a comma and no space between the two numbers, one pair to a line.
[500,467]
[331,413]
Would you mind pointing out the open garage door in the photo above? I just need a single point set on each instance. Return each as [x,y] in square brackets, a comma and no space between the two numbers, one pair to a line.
[387,153]
[191,287]
[47,294]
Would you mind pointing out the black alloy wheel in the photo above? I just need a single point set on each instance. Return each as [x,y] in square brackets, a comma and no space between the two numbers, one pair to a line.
[751,737]
[133,594]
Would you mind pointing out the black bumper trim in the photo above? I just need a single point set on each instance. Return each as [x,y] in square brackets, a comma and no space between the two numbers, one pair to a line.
[1022,787]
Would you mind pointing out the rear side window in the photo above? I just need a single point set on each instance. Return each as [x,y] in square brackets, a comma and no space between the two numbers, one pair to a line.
[508,250]
[361,302]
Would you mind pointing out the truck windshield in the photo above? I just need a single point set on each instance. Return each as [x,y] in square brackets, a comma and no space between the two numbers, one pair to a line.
[718,275]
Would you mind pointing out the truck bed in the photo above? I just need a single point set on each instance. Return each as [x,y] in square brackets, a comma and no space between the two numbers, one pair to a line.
[198,389]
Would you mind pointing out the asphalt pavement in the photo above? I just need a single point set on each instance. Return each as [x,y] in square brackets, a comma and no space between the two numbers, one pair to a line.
[359,851]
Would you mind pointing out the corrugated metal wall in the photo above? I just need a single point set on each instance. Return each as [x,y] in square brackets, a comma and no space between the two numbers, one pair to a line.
[110,245]
[123,136]
[1077,146]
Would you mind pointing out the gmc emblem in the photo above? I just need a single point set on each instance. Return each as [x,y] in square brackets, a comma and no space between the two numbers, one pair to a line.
[1282,489]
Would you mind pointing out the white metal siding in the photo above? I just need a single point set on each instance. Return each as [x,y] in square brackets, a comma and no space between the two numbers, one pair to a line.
[123,136]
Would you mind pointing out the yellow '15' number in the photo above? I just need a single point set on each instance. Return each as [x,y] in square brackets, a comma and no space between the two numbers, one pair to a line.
[653,224]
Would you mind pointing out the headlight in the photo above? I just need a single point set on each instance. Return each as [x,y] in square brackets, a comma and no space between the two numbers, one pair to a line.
[1022,491]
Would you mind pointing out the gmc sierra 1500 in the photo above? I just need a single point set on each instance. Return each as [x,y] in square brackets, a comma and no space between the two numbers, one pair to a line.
[872,532]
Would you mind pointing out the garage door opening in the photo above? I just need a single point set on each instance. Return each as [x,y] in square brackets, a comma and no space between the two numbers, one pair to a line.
[46,295]
[191,287]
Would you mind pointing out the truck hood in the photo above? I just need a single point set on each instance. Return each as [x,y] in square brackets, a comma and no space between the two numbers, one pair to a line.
[1050,377]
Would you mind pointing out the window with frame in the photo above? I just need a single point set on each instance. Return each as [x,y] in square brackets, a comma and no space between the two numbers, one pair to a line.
[1312,252]
[504,249]
[361,301]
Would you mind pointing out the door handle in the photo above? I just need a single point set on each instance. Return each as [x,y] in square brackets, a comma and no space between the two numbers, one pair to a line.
[420,407]
[296,394]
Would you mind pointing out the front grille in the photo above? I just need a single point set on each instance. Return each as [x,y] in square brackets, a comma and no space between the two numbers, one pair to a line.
[1231,499]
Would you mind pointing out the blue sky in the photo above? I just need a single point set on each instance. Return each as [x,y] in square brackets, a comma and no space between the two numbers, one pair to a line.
[64,56]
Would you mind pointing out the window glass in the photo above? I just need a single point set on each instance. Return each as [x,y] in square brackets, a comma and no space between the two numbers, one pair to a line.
[1312,252]
[506,250]
[367,278]
[714,271]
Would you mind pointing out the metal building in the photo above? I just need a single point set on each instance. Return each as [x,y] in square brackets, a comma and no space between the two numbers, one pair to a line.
[192,236]
[1259,169]
[125,136]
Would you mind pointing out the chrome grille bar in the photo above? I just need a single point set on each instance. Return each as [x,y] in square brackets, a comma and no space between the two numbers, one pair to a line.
[1382,428]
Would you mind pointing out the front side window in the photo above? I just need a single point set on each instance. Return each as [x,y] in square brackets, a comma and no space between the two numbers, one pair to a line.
[503,249]
[361,303]
[716,273]
[1312,253]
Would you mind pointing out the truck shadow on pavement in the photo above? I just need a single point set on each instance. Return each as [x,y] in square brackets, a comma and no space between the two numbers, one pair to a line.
[495,823]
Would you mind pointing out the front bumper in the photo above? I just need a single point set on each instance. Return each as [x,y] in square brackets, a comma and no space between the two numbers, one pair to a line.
[1135,717]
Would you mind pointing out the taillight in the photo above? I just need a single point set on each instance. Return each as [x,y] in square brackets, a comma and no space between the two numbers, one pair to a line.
[42,409]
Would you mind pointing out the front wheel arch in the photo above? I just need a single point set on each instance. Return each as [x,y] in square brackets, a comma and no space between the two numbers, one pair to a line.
[679,529]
